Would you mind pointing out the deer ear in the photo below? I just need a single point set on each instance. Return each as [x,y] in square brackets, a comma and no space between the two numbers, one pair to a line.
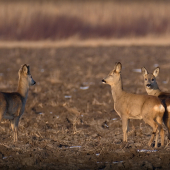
[118,67]
[25,69]
[156,71]
[144,71]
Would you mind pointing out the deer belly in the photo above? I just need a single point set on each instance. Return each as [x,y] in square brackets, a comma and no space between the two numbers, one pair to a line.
[135,117]
[134,113]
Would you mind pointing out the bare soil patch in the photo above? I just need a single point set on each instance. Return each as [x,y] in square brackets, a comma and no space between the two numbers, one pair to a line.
[69,120]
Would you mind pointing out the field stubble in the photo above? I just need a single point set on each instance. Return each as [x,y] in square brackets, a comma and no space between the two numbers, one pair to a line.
[69,121]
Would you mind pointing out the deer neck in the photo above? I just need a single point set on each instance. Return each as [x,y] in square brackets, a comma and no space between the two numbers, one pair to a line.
[117,90]
[23,87]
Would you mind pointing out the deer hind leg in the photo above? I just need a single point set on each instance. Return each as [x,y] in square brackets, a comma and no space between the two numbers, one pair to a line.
[166,120]
[14,126]
[154,126]
[167,124]
[2,112]
[125,128]
[0,116]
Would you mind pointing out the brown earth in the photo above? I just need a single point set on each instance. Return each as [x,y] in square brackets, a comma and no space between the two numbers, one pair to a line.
[69,121]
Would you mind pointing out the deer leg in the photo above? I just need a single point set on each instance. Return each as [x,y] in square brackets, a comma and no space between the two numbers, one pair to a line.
[13,127]
[157,135]
[0,116]
[154,126]
[125,128]
[168,126]
[160,129]
[169,133]
[16,134]
[2,112]
[166,120]
[16,121]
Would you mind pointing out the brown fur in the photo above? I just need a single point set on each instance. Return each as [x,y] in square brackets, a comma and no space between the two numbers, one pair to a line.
[155,91]
[12,105]
[135,106]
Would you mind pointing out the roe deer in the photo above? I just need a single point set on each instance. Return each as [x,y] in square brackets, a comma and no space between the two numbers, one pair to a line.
[135,106]
[12,105]
[152,88]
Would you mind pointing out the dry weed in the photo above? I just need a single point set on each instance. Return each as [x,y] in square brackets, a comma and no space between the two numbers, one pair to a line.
[85,19]
[55,77]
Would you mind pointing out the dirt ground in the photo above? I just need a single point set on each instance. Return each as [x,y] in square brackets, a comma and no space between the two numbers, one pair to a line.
[69,120]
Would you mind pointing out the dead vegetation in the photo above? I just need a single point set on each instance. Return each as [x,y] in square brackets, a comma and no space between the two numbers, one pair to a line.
[53,20]
[71,123]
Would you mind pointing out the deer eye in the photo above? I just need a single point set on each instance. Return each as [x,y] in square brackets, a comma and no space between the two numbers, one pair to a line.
[145,79]
[152,79]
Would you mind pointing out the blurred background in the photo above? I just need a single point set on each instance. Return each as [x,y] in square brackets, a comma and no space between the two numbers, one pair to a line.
[77,19]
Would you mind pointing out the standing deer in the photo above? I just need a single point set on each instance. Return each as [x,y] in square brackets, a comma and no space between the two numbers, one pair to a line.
[152,88]
[135,106]
[12,105]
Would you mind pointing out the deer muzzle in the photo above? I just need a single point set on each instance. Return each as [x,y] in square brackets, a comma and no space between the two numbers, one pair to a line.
[103,81]
[148,85]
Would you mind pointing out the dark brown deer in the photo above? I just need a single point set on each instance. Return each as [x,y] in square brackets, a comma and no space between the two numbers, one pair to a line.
[12,105]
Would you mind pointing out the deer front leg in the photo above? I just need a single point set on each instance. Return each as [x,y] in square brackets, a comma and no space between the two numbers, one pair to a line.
[125,128]
[16,121]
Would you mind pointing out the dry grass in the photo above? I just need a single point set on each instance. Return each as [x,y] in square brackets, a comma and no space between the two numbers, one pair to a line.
[85,19]
[55,77]
[71,42]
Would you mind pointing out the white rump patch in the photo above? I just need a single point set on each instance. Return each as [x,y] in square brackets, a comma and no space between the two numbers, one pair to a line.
[159,108]
[168,108]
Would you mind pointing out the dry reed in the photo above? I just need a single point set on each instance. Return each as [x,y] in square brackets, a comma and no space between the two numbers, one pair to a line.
[85,19]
